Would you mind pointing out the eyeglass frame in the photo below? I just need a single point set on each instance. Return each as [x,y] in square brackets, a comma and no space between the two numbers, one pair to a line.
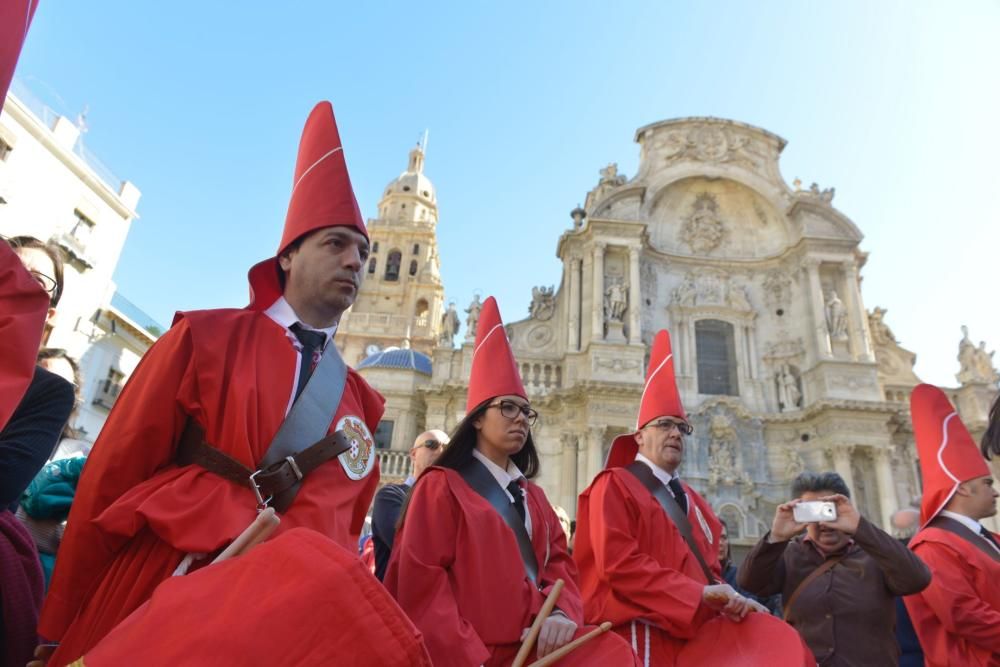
[432,444]
[530,415]
[38,274]
[667,424]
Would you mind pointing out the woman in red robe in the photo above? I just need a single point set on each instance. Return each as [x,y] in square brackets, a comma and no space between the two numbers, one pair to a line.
[456,568]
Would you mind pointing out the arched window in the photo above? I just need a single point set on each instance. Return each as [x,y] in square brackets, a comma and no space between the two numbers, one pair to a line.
[371,265]
[375,247]
[716,353]
[422,308]
[392,265]
[413,267]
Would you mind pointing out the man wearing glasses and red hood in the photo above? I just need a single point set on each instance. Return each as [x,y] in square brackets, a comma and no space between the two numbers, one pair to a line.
[145,509]
[638,569]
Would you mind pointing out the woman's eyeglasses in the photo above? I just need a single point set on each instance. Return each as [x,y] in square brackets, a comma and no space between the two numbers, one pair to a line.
[511,410]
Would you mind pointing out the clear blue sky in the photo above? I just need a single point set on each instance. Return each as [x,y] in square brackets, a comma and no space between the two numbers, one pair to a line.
[200,104]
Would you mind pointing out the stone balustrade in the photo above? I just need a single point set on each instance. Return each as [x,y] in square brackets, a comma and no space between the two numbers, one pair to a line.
[394,465]
[541,377]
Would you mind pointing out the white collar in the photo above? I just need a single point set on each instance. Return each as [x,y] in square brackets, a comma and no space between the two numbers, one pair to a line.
[503,477]
[966,521]
[410,481]
[659,472]
[281,312]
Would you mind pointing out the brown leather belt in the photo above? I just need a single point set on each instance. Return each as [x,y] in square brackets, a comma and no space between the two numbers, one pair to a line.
[273,485]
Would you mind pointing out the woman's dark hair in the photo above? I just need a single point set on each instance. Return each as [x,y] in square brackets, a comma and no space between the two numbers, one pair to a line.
[990,444]
[54,254]
[459,452]
[47,353]
[819,481]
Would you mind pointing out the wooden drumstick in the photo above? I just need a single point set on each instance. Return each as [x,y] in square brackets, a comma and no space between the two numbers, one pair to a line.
[536,627]
[255,533]
[561,652]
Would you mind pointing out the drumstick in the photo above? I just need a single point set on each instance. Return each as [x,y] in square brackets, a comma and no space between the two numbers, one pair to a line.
[536,627]
[576,643]
[255,533]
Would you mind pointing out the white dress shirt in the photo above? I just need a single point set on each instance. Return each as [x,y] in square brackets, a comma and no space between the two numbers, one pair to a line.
[504,478]
[282,313]
[969,523]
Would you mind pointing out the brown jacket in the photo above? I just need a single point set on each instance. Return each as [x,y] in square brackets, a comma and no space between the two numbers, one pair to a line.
[846,616]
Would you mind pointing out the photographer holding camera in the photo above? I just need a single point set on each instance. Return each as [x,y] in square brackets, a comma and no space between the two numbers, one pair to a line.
[839,579]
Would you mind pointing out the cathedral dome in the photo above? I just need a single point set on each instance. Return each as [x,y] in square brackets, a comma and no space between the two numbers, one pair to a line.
[413,182]
[398,358]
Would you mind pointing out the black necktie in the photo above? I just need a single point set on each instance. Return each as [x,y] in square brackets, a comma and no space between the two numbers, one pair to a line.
[988,535]
[514,489]
[311,341]
[679,495]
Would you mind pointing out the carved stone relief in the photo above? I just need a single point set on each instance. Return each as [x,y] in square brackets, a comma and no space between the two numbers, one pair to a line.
[709,143]
[976,363]
[703,229]
[777,289]
[789,388]
[711,288]
[539,336]
[543,303]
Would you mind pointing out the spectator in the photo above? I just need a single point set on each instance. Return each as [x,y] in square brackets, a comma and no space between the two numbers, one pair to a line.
[905,523]
[389,499]
[729,569]
[838,581]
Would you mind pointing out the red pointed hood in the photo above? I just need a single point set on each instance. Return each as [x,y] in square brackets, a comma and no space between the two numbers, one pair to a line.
[494,371]
[322,196]
[15,17]
[948,454]
[659,398]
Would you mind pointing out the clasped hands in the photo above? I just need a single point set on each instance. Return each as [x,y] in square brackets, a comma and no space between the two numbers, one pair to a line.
[724,599]
[556,631]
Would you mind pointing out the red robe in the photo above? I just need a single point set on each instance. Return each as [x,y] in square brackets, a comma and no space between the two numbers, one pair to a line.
[456,571]
[23,307]
[303,599]
[957,617]
[637,572]
[136,514]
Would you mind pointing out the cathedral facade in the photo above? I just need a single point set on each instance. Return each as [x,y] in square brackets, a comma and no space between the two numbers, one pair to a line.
[780,366]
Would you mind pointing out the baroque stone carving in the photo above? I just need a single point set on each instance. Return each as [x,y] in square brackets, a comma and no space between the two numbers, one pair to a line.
[543,303]
[449,326]
[976,364]
[616,364]
[707,143]
[540,335]
[881,333]
[789,394]
[610,179]
[836,317]
[616,301]
[711,288]
[703,229]
[777,288]
[473,319]
[794,465]
[722,453]
[784,349]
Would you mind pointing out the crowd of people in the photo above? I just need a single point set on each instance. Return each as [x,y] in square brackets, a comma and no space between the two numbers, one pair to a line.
[217,518]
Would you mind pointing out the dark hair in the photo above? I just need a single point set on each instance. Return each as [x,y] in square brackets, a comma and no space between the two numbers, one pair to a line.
[459,452]
[819,481]
[990,444]
[58,353]
[54,253]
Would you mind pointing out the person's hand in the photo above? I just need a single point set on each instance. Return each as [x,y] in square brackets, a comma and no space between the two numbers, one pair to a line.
[42,654]
[556,631]
[785,527]
[724,599]
[847,515]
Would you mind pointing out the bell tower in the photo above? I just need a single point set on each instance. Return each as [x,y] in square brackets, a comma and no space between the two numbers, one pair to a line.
[401,299]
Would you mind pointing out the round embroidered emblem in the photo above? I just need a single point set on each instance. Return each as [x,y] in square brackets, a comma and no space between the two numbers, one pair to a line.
[359,460]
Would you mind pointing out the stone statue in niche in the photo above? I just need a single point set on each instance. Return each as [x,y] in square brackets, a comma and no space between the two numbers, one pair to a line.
[473,318]
[789,395]
[703,229]
[794,465]
[449,326]
[836,317]
[615,301]
[722,451]
[881,333]
[543,303]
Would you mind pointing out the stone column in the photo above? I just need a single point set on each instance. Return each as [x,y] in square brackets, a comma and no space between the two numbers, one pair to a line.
[634,298]
[574,304]
[595,444]
[841,456]
[597,333]
[886,486]
[861,337]
[567,482]
[822,334]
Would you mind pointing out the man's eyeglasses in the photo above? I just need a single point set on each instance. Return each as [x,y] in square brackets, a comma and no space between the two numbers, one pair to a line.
[511,410]
[669,424]
[48,283]
[432,445]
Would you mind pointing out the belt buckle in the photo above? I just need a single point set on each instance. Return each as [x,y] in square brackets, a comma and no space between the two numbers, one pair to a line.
[295,467]
[262,503]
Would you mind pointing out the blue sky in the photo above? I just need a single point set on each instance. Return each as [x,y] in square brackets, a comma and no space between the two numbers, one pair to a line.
[893,103]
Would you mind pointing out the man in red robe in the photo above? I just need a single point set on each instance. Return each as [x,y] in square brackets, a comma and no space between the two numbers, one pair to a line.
[637,571]
[139,515]
[957,617]
[456,568]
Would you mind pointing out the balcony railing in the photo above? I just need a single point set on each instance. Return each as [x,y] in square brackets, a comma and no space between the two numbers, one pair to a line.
[388,323]
[395,466]
[541,377]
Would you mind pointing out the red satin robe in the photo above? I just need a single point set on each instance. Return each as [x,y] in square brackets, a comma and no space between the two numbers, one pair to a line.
[456,571]
[297,599]
[137,514]
[957,617]
[23,306]
[635,569]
